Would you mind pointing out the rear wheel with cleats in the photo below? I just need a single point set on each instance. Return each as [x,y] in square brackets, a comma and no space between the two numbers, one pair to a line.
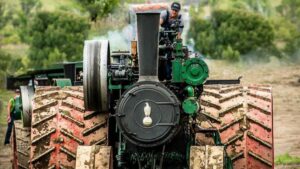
[21,145]
[244,119]
[60,124]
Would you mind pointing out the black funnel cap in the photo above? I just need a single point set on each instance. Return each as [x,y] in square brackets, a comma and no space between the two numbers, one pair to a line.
[147,32]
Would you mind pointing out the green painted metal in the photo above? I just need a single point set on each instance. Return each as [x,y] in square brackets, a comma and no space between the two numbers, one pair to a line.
[228,162]
[177,62]
[62,82]
[217,139]
[195,71]
[190,106]
[190,91]
[16,106]
[54,70]
[176,71]
[115,87]
[121,151]
[112,87]
[178,52]
[148,158]
[56,75]
[188,149]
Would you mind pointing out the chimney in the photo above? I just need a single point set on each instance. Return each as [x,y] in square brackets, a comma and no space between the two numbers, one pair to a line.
[147,33]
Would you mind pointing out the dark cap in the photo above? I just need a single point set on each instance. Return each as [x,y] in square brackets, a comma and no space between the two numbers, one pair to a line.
[176,6]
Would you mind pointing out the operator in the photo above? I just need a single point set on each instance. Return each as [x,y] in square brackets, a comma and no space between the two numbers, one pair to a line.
[168,18]
[13,113]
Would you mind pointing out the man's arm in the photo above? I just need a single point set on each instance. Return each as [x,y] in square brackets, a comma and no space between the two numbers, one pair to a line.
[161,21]
[163,17]
[179,35]
[181,26]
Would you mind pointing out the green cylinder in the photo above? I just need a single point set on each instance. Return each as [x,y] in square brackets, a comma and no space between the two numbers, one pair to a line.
[190,106]
[194,71]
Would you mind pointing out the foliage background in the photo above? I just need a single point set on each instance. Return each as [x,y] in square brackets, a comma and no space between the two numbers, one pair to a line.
[37,33]
[247,29]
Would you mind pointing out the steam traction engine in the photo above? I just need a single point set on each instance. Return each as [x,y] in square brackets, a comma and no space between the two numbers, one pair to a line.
[130,114]
[150,122]
[159,122]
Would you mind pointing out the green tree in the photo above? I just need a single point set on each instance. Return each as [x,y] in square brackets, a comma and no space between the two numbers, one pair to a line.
[4,65]
[263,7]
[290,9]
[98,8]
[288,28]
[4,14]
[23,17]
[230,54]
[213,3]
[28,5]
[4,61]
[231,33]
[56,37]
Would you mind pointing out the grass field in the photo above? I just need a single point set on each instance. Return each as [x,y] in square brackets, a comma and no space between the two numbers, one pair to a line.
[4,97]
[5,151]
[287,159]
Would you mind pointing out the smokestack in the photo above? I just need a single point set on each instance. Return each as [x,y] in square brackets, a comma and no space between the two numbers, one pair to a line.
[147,32]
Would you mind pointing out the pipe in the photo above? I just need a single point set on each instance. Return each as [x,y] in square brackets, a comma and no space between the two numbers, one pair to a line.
[190,91]
[147,33]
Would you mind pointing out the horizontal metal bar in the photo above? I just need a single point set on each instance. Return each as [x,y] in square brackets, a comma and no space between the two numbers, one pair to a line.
[223,81]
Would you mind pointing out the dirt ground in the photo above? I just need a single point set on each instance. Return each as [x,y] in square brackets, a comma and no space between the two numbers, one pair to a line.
[285,80]
[5,151]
